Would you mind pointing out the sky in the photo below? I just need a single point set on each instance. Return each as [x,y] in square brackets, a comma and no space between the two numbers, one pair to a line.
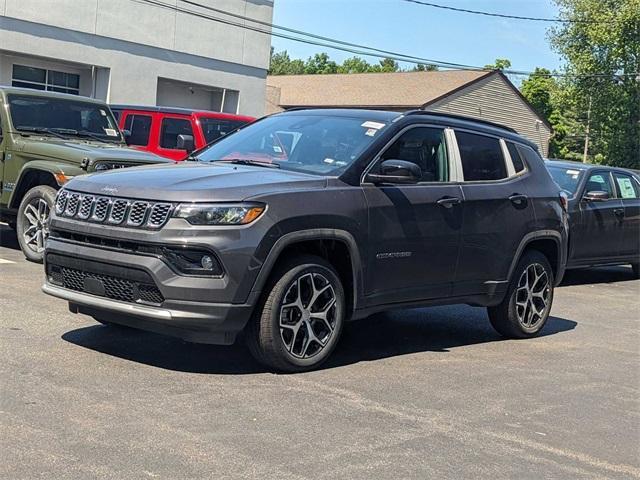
[407,28]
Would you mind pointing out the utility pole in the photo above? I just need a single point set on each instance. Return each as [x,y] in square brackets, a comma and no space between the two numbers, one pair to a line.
[586,138]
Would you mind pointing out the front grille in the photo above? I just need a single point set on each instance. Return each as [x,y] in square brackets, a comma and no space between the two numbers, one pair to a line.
[113,211]
[124,285]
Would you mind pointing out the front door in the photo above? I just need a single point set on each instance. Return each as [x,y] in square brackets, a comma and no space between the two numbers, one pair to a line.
[629,193]
[414,230]
[597,232]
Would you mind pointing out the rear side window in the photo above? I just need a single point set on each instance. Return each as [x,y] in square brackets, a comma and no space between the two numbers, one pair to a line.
[626,185]
[171,128]
[516,159]
[140,127]
[481,157]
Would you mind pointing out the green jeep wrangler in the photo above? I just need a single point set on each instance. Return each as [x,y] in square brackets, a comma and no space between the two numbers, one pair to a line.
[46,139]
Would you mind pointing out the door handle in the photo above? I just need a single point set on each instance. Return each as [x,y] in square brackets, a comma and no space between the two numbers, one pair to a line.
[518,199]
[619,212]
[448,202]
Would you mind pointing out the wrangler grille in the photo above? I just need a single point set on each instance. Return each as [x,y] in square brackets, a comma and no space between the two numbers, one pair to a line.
[113,211]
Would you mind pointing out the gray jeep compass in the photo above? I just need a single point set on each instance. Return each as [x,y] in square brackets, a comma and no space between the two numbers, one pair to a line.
[304,220]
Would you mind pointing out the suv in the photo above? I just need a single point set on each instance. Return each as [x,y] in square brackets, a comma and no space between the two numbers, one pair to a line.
[47,138]
[303,220]
[174,132]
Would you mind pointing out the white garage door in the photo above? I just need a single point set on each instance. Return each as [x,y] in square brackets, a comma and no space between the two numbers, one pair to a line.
[171,93]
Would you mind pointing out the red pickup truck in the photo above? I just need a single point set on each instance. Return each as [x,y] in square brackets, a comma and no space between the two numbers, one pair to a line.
[173,132]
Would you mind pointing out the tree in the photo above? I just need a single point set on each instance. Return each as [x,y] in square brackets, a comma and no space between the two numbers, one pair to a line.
[421,67]
[388,65]
[354,65]
[281,64]
[320,64]
[499,64]
[604,56]
[538,89]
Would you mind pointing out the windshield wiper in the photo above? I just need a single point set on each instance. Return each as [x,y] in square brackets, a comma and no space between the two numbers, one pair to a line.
[245,161]
[85,133]
[56,132]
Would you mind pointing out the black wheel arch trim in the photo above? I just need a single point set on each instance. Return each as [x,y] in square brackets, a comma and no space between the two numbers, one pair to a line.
[292,238]
[554,235]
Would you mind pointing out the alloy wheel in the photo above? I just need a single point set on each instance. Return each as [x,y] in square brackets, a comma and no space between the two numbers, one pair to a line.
[307,317]
[36,214]
[532,295]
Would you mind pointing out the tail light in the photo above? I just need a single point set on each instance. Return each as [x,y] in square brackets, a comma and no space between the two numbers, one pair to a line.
[564,201]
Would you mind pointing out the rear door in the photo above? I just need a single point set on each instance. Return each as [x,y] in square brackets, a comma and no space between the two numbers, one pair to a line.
[497,211]
[598,234]
[170,127]
[629,194]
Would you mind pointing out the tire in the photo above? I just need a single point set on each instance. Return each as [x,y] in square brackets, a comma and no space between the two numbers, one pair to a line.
[636,269]
[32,226]
[526,306]
[279,336]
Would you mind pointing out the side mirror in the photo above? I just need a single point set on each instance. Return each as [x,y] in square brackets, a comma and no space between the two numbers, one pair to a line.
[127,135]
[396,171]
[185,142]
[596,196]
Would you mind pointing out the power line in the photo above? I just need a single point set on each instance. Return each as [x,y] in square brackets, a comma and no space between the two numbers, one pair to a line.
[342,45]
[502,15]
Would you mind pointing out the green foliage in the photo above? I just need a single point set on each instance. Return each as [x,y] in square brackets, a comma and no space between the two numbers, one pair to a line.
[499,64]
[421,67]
[609,44]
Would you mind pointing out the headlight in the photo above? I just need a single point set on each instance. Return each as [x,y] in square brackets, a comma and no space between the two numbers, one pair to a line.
[216,214]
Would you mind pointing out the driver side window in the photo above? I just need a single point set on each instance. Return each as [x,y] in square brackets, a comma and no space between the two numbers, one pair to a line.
[425,147]
[600,182]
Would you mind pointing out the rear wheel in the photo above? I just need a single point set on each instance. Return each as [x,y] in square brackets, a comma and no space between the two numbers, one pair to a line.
[32,226]
[525,309]
[301,318]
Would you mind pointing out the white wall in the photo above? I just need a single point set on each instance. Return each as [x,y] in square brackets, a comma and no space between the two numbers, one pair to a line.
[140,43]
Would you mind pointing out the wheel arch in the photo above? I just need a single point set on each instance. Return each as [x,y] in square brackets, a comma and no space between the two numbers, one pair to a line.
[327,243]
[550,244]
[29,178]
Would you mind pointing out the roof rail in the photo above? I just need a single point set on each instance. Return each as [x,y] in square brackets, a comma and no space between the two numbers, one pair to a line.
[461,117]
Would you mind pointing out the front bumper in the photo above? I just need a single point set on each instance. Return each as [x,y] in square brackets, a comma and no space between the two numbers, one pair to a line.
[107,285]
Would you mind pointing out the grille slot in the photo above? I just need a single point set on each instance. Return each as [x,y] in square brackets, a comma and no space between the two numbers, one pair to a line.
[72,205]
[113,211]
[61,201]
[159,214]
[137,213]
[118,211]
[86,205]
[101,209]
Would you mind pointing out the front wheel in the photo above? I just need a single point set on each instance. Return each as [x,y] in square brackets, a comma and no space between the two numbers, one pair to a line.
[300,321]
[32,226]
[526,306]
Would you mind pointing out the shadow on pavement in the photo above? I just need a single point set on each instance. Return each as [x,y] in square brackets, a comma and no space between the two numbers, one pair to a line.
[597,275]
[437,329]
[8,237]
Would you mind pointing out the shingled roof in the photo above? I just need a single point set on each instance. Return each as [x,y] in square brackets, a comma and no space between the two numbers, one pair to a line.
[373,90]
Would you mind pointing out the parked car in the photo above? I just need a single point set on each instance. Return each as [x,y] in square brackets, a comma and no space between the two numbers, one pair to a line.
[604,213]
[305,219]
[174,132]
[47,138]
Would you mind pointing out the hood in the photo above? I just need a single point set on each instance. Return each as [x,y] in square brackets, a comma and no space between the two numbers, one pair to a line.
[194,182]
[76,151]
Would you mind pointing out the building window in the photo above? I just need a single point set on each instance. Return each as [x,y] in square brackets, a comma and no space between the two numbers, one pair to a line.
[42,79]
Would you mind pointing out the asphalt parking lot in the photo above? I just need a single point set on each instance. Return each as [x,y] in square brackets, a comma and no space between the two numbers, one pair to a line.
[430,393]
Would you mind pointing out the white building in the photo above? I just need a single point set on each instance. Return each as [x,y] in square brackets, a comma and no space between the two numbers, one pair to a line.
[139,52]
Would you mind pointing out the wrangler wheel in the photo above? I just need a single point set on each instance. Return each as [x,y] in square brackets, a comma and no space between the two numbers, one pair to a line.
[33,221]
[301,318]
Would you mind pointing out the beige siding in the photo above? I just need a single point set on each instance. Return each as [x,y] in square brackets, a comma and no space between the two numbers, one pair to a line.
[493,99]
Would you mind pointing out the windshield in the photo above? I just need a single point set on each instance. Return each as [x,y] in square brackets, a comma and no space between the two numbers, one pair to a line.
[322,145]
[63,117]
[214,128]
[566,178]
